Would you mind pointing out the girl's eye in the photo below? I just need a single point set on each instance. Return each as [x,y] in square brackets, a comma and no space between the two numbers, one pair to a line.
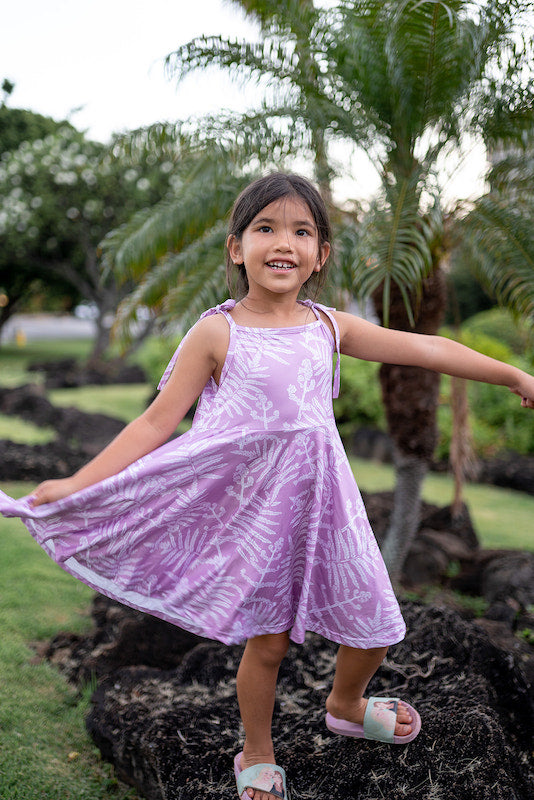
[265,229]
[303,232]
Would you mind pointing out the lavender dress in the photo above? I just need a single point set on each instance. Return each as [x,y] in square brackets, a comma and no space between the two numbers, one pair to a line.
[251,522]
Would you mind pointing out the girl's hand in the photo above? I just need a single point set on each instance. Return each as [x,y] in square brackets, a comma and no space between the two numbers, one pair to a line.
[525,390]
[49,491]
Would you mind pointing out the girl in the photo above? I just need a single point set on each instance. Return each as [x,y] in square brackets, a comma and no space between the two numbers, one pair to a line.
[251,526]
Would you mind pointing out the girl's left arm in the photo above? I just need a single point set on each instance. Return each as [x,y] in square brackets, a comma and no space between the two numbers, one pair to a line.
[365,340]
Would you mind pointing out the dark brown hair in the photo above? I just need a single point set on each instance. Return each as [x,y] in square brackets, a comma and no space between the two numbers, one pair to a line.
[253,199]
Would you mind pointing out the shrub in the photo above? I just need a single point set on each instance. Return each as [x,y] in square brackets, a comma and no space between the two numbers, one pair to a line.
[359,404]
[154,356]
[498,422]
[499,324]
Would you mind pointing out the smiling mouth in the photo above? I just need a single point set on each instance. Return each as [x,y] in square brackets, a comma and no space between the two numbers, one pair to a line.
[283,266]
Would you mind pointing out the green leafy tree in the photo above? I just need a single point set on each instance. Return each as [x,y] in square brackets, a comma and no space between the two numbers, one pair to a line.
[18,125]
[59,195]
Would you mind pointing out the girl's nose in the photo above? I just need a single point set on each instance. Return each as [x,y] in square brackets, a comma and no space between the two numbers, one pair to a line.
[283,241]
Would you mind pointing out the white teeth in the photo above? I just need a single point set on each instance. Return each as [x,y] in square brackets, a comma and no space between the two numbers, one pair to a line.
[280,265]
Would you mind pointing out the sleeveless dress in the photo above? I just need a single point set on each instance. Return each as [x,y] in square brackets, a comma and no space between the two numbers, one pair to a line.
[249,523]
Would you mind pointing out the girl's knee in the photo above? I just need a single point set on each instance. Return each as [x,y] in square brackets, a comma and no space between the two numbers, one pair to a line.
[272,647]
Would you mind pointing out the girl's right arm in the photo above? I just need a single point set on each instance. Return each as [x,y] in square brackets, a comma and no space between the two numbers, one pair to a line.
[201,356]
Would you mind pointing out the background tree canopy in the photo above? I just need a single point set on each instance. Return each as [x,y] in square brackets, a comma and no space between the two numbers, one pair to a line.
[59,195]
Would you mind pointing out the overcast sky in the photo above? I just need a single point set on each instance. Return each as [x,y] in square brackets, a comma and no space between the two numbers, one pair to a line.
[105,58]
[100,64]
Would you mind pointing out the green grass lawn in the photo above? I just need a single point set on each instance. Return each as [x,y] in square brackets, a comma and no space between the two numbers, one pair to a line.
[14,360]
[45,751]
[501,517]
[18,430]
[122,401]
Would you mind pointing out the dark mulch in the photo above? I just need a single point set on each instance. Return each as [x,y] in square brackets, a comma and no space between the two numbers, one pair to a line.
[69,373]
[80,436]
[172,731]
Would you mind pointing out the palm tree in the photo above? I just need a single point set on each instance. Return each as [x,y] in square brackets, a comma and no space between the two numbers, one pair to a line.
[426,74]
[405,81]
[293,33]
[174,251]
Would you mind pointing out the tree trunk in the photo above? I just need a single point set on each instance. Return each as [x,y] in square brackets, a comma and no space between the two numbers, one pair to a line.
[410,473]
[410,396]
[462,455]
[7,311]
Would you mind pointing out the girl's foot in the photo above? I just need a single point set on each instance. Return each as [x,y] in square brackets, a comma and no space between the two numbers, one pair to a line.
[356,712]
[251,759]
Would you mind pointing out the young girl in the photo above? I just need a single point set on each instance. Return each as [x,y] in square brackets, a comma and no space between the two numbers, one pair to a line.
[250,526]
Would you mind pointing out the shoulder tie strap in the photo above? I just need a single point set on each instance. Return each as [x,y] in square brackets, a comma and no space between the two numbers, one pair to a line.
[327,310]
[222,308]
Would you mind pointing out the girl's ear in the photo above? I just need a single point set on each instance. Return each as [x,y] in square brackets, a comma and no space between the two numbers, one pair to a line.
[324,252]
[234,248]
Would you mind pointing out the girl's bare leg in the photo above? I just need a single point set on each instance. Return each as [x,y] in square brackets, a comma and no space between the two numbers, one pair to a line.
[354,670]
[256,688]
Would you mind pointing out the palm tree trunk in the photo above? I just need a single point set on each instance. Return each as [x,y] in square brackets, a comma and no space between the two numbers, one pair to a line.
[410,473]
[410,396]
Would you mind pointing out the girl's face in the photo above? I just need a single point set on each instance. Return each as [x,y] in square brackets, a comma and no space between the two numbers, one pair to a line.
[280,247]
[265,778]
[278,781]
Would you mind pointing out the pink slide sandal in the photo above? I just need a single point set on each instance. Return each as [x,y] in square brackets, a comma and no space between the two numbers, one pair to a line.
[378,722]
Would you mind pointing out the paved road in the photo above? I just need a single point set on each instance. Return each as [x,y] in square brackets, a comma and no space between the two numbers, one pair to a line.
[32,327]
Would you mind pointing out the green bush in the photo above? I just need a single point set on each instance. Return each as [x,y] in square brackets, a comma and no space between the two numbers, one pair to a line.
[153,357]
[498,422]
[482,342]
[488,439]
[499,324]
[359,404]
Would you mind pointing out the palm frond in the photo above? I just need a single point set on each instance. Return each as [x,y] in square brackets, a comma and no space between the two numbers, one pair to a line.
[280,16]
[203,286]
[356,58]
[424,71]
[270,134]
[431,51]
[497,241]
[206,194]
[199,264]
[513,173]
[409,60]
[508,116]
[395,246]
[272,58]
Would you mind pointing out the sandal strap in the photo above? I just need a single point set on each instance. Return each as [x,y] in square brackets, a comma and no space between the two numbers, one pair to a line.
[258,776]
[380,718]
